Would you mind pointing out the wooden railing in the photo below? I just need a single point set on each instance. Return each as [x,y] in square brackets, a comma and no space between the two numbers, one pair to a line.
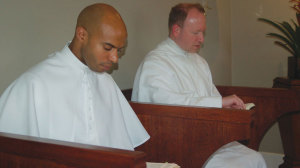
[189,135]
[182,134]
[17,151]
[271,105]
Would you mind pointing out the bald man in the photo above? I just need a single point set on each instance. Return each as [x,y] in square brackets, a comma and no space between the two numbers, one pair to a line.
[69,96]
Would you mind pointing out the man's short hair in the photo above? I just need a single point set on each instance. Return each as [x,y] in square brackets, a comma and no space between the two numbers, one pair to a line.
[179,12]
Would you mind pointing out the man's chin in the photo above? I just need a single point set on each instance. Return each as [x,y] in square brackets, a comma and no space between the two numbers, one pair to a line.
[105,68]
[194,50]
[98,69]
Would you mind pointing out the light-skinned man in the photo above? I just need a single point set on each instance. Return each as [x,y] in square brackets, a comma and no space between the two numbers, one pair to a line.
[174,73]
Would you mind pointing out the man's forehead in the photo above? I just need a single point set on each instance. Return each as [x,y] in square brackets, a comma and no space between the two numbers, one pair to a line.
[113,36]
[113,30]
[195,17]
[118,45]
[194,13]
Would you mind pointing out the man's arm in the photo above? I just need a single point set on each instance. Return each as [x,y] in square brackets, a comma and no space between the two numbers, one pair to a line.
[17,108]
[156,82]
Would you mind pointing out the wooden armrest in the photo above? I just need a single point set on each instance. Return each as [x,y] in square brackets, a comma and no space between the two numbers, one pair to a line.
[26,151]
[189,135]
[270,105]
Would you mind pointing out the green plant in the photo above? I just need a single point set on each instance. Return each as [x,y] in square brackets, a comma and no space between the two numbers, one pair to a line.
[290,37]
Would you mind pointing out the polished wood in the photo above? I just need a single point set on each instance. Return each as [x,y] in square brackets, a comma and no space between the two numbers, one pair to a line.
[282,82]
[271,104]
[17,151]
[189,135]
[289,126]
[182,134]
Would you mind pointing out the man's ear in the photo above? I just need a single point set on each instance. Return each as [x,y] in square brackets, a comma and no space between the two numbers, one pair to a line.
[176,30]
[81,33]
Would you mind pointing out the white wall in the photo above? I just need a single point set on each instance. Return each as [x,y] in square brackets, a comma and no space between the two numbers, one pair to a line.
[256,61]
[32,29]
[235,45]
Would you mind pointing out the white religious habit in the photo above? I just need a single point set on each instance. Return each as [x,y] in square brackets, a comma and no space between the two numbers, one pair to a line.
[61,98]
[170,75]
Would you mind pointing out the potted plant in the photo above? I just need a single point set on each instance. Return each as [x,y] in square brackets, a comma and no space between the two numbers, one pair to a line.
[289,39]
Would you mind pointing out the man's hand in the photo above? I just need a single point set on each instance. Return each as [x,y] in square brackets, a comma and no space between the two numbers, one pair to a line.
[233,101]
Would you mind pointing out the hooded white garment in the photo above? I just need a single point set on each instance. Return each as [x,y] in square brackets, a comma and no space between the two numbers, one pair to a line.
[170,75]
[61,98]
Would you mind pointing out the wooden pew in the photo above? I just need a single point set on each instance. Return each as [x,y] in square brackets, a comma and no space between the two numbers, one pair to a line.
[189,135]
[184,135]
[181,134]
[17,151]
[271,105]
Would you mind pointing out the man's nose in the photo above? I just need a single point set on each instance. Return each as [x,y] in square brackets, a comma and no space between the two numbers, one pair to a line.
[201,38]
[113,57]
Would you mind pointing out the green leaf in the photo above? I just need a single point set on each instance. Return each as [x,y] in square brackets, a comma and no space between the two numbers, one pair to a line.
[285,47]
[276,25]
[284,39]
[295,24]
[291,33]
[290,38]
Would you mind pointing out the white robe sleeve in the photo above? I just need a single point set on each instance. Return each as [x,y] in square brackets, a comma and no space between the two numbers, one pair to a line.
[156,82]
[137,133]
[17,108]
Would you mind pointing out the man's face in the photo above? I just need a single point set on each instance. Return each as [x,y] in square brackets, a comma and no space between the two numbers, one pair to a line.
[103,47]
[191,35]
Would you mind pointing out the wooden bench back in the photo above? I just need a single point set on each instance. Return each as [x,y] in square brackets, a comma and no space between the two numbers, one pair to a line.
[17,151]
[270,105]
[182,134]
[189,135]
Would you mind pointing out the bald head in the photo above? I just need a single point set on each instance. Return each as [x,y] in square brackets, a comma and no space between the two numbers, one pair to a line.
[94,16]
[100,37]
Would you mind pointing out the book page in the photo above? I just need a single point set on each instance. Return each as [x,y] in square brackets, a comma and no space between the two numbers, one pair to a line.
[249,106]
[161,165]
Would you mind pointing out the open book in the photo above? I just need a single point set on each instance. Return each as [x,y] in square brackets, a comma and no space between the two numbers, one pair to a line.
[161,165]
[249,106]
